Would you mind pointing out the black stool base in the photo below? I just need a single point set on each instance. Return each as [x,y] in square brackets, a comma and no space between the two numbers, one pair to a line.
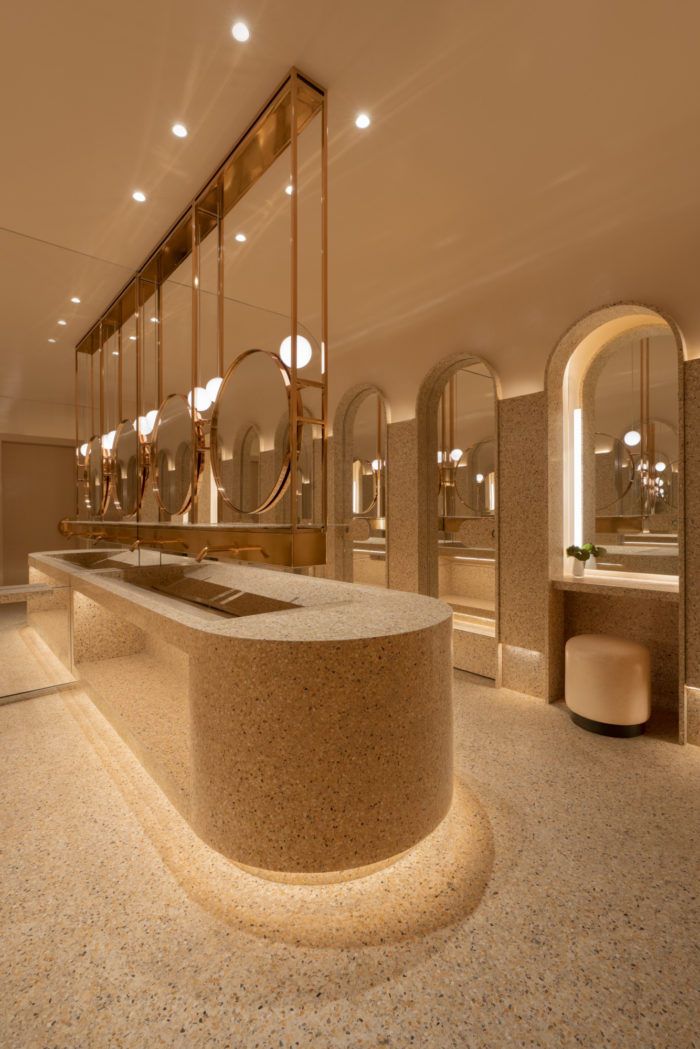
[603,729]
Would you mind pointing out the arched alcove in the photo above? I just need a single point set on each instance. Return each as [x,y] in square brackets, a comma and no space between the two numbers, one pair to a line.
[457,427]
[353,527]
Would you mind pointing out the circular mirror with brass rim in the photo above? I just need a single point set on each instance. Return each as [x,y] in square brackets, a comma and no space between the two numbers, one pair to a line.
[129,470]
[614,470]
[177,455]
[474,478]
[97,491]
[364,486]
[251,399]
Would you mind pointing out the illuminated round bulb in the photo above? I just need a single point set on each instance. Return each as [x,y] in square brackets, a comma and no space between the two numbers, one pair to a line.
[52,340]
[108,440]
[179,130]
[213,387]
[115,353]
[632,438]
[660,467]
[76,300]
[303,351]
[289,189]
[376,463]
[240,32]
[132,338]
[241,238]
[154,320]
[63,323]
[139,196]
[479,478]
[456,455]
[83,449]
[202,400]
[362,121]
[147,422]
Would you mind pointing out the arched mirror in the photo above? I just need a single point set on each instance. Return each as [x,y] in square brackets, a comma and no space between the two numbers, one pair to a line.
[630,452]
[97,479]
[466,486]
[176,455]
[368,449]
[128,470]
[251,399]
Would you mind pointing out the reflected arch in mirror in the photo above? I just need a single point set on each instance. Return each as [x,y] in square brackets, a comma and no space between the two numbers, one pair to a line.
[97,488]
[364,487]
[251,399]
[129,470]
[614,472]
[176,455]
[475,478]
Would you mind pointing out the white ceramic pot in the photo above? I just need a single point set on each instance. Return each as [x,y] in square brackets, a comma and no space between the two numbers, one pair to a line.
[578,566]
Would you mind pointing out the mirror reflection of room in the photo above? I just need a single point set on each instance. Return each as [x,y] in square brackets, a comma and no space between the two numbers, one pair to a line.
[631,453]
[369,491]
[466,494]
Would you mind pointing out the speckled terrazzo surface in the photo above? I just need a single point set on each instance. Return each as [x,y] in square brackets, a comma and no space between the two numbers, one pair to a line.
[559,909]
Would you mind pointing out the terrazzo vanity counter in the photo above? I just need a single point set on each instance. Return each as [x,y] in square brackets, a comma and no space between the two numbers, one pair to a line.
[312,739]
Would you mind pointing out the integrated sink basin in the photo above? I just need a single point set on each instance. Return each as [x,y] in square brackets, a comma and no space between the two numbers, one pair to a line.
[225,600]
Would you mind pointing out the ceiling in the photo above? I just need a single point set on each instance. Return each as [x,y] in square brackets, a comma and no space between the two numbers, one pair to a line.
[526,163]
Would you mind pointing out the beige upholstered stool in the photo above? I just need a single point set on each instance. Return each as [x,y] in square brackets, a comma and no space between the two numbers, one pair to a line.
[608,686]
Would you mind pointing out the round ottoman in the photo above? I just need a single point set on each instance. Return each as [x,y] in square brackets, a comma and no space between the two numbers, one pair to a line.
[608,684]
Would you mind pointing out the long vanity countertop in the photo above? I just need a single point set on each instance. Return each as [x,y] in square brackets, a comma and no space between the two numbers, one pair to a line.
[329,611]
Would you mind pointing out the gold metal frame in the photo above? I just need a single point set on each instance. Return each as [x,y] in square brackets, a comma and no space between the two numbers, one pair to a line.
[105,474]
[197,445]
[282,482]
[275,130]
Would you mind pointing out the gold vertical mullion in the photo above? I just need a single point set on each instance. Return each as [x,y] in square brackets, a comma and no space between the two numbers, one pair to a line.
[139,448]
[324,311]
[294,277]
[195,356]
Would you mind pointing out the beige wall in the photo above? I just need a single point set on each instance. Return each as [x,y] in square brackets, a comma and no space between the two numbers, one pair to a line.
[36,491]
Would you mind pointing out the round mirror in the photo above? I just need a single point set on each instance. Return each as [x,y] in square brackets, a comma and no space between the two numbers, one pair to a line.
[97,481]
[364,486]
[174,453]
[614,471]
[128,475]
[475,478]
[251,399]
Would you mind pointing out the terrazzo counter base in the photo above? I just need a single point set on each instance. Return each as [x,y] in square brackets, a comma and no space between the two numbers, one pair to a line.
[316,739]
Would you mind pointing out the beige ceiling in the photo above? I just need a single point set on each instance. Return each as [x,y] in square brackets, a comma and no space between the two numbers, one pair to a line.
[527,162]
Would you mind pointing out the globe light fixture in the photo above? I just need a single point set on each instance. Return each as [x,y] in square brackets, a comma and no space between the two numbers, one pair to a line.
[199,398]
[632,438]
[304,351]
[213,387]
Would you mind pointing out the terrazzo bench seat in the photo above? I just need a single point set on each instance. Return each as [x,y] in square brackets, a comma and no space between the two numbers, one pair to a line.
[608,684]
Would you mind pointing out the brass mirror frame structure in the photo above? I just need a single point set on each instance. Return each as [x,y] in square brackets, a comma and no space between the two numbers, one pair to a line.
[284,476]
[142,468]
[616,440]
[197,445]
[297,103]
[375,487]
[105,475]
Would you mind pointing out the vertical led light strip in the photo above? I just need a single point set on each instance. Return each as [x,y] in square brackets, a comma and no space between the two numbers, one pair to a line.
[577,477]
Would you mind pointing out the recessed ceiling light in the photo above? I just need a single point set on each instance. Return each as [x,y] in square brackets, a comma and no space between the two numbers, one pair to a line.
[362,120]
[76,300]
[289,190]
[240,32]
[63,323]
[139,196]
[52,340]
[179,130]
[241,238]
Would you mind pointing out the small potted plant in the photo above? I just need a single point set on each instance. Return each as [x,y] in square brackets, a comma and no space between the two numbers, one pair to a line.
[584,553]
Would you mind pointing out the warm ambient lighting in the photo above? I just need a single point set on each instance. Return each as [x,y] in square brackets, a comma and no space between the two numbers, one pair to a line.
[132,338]
[303,351]
[479,478]
[202,400]
[456,454]
[179,130]
[52,340]
[154,320]
[376,465]
[213,387]
[240,32]
[115,353]
[108,440]
[63,323]
[577,477]
[84,449]
[632,438]
[139,196]
[76,300]
[147,422]
[660,467]
[289,189]
[362,121]
[241,238]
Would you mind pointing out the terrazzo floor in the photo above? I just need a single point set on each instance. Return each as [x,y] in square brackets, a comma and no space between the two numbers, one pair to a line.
[558,905]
